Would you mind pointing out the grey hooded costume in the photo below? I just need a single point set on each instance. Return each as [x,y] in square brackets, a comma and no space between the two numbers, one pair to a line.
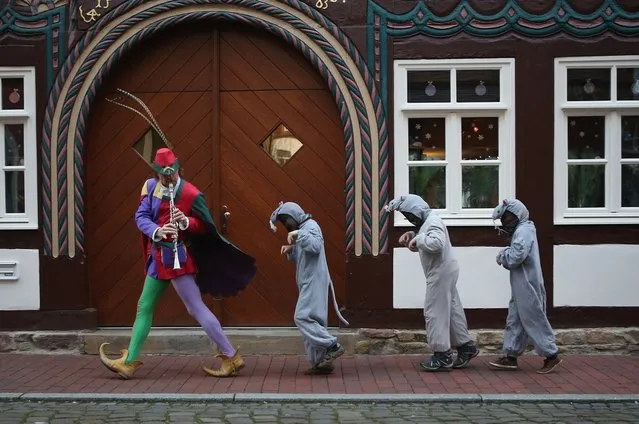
[446,324]
[313,280]
[527,309]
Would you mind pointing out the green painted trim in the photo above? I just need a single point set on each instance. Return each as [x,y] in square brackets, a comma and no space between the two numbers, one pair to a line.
[9,19]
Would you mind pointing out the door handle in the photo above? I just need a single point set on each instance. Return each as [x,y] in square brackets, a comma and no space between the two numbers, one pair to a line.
[225,218]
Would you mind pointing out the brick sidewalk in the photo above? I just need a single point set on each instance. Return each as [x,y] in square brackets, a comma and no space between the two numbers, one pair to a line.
[284,374]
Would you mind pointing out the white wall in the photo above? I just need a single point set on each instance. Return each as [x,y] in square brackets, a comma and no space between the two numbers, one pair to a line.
[482,283]
[596,275]
[23,293]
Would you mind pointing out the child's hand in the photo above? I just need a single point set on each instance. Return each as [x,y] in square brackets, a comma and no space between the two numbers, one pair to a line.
[406,238]
[498,258]
[412,245]
[292,237]
[286,249]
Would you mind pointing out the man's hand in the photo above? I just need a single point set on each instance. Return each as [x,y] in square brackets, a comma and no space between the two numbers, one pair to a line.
[499,257]
[406,238]
[180,217]
[286,249]
[412,245]
[167,230]
[292,237]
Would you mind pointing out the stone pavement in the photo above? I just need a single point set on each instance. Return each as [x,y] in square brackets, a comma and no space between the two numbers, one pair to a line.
[316,413]
[366,374]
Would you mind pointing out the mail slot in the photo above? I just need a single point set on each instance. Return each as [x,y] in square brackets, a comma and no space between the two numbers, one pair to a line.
[8,271]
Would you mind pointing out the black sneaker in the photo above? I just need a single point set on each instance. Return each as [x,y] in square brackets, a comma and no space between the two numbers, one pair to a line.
[505,363]
[440,361]
[332,353]
[550,364]
[464,354]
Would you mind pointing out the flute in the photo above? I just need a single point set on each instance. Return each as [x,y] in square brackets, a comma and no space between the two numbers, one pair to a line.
[176,261]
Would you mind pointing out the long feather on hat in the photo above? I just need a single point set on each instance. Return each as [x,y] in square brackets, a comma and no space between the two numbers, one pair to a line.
[150,118]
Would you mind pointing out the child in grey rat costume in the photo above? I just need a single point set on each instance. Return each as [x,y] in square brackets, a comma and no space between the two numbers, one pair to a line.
[306,249]
[527,309]
[446,324]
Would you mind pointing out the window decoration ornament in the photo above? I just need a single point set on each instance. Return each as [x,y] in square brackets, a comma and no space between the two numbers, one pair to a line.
[589,87]
[15,97]
[430,89]
[480,89]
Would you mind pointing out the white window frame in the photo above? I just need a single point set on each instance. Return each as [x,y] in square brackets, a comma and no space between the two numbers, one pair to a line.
[27,117]
[612,109]
[454,111]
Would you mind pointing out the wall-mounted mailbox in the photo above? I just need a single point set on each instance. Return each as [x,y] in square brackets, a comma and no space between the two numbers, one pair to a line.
[9,271]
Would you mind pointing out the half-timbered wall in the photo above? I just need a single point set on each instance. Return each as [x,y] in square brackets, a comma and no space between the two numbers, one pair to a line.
[355,50]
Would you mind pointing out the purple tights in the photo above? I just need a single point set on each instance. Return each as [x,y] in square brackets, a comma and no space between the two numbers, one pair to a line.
[189,292]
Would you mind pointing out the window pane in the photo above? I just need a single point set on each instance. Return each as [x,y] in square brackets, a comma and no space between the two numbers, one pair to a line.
[430,183]
[12,93]
[628,84]
[630,136]
[148,145]
[586,186]
[427,139]
[14,145]
[630,186]
[586,137]
[281,145]
[480,138]
[480,186]
[588,84]
[428,86]
[478,85]
[14,186]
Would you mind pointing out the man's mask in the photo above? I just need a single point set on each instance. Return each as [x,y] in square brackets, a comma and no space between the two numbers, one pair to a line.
[288,222]
[413,219]
[509,222]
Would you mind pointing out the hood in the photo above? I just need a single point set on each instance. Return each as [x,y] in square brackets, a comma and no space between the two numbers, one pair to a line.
[515,207]
[291,209]
[410,203]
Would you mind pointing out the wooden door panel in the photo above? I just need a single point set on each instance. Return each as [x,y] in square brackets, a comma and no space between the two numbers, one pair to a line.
[255,60]
[179,70]
[289,92]
[262,83]
[306,184]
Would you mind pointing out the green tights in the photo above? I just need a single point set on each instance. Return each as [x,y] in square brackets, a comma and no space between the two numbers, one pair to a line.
[151,293]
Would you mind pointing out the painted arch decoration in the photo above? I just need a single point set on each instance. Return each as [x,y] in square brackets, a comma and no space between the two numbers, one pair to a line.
[322,42]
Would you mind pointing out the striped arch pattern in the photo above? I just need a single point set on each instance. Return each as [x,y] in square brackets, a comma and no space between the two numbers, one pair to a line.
[63,100]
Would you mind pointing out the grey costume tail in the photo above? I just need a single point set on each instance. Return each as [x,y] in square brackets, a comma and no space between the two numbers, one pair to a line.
[339,315]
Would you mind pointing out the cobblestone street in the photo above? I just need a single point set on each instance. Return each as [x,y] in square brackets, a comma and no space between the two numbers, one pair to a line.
[316,413]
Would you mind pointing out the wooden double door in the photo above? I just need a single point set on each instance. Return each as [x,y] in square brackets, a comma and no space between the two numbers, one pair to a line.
[235,103]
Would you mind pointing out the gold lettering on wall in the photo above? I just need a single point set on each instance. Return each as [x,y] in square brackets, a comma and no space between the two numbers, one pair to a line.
[323,4]
[93,14]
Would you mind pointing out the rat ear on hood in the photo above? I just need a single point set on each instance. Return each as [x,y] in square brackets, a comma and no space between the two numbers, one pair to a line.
[273,218]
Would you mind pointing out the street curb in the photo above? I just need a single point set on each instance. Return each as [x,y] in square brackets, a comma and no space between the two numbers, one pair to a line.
[355,398]
[319,398]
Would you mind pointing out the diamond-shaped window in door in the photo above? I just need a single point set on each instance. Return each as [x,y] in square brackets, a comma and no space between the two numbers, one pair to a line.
[148,145]
[281,145]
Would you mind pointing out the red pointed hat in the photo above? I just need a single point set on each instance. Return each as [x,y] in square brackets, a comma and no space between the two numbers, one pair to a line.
[165,162]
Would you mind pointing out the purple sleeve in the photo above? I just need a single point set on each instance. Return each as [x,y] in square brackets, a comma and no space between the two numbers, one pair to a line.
[144,218]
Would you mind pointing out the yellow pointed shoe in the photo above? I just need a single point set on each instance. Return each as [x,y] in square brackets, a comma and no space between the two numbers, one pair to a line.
[238,361]
[125,371]
[227,369]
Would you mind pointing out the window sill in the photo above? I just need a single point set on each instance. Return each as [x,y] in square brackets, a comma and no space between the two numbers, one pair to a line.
[451,221]
[611,219]
[17,225]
